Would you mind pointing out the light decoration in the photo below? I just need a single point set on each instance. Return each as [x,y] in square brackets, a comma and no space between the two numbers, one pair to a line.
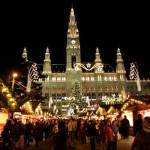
[111,110]
[134,75]
[132,101]
[8,95]
[4,89]
[113,99]
[88,68]
[28,107]
[70,112]
[100,111]
[6,92]
[70,98]
[88,65]
[50,102]
[88,101]
[38,110]
[32,75]
[11,99]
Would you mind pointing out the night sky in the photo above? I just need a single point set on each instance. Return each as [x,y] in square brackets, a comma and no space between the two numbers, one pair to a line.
[107,26]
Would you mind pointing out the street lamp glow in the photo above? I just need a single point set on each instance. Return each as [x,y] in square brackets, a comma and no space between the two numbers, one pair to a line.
[13,81]
[15,75]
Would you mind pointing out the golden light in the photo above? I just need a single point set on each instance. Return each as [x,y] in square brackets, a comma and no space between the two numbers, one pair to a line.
[13,81]
[15,75]
[12,99]
[8,95]
[13,104]
[4,89]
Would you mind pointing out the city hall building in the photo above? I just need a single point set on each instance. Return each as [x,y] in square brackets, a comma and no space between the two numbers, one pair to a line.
[101,84]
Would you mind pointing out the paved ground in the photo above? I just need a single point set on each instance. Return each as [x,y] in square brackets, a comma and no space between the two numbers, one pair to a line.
[123,144]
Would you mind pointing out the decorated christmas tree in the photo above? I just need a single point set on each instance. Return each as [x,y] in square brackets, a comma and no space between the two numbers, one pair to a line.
[77,102]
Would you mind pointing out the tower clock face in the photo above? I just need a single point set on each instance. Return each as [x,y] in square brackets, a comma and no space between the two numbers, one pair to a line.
[73,41]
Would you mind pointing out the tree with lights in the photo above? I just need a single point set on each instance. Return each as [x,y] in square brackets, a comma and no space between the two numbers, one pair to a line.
[77,101]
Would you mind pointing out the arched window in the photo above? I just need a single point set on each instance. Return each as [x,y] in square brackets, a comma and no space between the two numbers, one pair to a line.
[73,60]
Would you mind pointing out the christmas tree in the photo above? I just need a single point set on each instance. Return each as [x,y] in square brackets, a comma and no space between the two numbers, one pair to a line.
[77,101]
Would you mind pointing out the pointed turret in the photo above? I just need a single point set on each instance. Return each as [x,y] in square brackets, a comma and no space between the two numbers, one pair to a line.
[120,69]
[120,65]
[47,63]
[73,44]
[24,54]
[97,56]
[98,62]
[72,29]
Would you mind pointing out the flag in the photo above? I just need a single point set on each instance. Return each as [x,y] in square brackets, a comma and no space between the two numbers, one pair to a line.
[134,74]
[32,75]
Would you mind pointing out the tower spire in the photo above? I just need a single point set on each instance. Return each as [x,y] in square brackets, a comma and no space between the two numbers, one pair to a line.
[73,44]
[98,61]
[97,56]
[120,69]
[24,54]
[47,62]
[120,65]
[72,29]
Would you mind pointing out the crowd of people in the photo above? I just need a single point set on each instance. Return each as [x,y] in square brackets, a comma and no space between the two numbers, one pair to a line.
[62,133]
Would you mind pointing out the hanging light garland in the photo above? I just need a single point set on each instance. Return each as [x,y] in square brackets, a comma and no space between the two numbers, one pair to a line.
[10,100]
[132,101]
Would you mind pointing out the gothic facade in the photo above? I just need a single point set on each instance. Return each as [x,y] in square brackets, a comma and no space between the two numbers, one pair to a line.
[101,84]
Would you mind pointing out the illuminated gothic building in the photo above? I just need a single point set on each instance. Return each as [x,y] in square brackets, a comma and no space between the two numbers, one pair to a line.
[100,83]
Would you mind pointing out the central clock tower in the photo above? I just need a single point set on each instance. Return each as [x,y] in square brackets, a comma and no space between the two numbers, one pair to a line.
[73,41]
[72,53]
[73,44]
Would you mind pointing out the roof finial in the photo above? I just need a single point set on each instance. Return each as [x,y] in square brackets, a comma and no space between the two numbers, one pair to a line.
[47,50]
[72,5]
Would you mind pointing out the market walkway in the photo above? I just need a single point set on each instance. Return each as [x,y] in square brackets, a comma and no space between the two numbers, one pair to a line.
[123,144]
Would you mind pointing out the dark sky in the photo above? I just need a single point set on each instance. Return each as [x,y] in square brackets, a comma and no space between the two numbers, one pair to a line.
[103,25]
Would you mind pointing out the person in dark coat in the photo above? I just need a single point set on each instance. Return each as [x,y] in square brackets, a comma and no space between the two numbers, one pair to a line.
[137,124]
[28,132]
[60,137]
[6,135]
[91,133]
[38,134]
[15,133]
[125,125]
[47,130]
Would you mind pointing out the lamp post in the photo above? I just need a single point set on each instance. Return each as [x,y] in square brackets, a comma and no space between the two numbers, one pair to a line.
[13,81]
